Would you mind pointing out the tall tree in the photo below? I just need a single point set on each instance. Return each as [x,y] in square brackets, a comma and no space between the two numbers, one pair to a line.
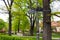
[46,20]
[8,4]
[31,17]
[21,21]
[16,23]
[31,8]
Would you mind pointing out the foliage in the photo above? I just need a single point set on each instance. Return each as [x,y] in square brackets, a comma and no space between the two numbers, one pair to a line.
[24,24]
[3,37]
[19,15]
[6,37]
[2,24]
[9,38]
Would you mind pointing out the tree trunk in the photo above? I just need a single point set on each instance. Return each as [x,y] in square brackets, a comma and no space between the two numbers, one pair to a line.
[8,6]
[18,25]
[15,32]
[32,30]
[10,23]
[18,28]
[23,33]
[32,26]
[46,20]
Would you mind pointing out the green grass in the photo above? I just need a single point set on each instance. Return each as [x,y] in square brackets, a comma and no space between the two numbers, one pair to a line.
[15,37]
[6,37]
[56,35]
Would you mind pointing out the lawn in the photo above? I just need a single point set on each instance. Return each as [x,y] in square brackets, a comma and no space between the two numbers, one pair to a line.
[6,37]
[15,37]
[57,35]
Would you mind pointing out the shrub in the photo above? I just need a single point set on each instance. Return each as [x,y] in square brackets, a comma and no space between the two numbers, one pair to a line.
[9,38]
[6,37]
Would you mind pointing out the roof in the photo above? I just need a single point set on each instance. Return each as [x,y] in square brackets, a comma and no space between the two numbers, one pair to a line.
[53,24]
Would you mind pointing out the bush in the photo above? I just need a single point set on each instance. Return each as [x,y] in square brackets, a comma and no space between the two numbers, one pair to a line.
[6,37]
[9,38]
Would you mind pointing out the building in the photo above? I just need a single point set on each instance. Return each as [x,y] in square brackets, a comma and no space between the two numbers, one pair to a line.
[54,24]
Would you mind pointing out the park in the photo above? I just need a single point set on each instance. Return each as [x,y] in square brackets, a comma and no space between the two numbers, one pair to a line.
[30,20]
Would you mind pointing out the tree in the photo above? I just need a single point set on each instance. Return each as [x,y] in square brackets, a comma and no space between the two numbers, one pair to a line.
[46,20]
[20,23]
[16,24]
[8,5]
[19,17]
[28,5]
[32,18]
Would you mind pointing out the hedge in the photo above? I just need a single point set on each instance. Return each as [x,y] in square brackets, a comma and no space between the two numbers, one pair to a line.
[6,37]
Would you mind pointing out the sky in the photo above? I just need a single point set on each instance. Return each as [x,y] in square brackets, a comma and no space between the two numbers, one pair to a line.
[3,16]
[55,7]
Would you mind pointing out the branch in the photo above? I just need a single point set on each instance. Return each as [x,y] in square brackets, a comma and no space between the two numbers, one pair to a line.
[11,3]
[5,4]
[8,2]
[19,6]
[34,19]
[56,15]
[27,16]
[30,4]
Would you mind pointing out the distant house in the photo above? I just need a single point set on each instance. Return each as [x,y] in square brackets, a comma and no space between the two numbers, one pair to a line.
[55,25]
